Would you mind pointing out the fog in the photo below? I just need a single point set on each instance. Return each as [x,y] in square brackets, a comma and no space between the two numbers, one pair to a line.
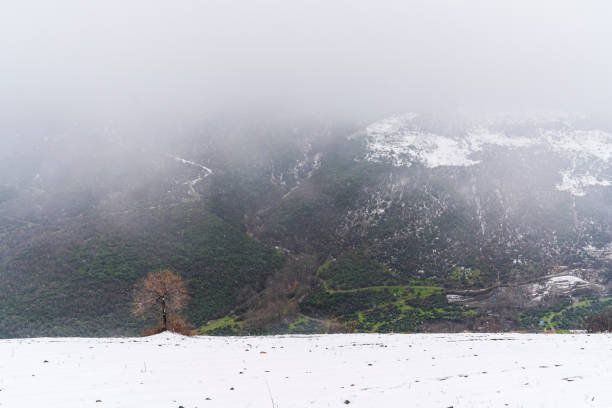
[142,62]
[248,144]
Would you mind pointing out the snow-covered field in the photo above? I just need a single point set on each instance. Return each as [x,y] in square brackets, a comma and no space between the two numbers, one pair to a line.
[436,370]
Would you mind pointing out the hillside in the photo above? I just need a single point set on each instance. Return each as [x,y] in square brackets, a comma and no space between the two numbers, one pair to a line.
[407,224]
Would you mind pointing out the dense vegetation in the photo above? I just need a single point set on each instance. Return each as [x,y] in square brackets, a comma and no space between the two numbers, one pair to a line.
[85,287]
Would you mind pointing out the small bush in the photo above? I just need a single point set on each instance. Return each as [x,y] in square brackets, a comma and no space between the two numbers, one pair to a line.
[180,326]
[601,322]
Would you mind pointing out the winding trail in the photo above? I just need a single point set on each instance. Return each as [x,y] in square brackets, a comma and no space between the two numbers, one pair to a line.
[205,172]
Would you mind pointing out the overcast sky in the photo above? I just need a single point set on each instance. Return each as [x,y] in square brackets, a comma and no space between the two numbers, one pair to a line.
[129,60]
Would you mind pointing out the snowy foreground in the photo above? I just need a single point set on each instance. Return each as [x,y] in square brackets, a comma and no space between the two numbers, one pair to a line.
[439,370]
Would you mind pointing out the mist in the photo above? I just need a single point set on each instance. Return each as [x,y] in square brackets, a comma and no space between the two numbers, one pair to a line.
[140,63]
[306,167]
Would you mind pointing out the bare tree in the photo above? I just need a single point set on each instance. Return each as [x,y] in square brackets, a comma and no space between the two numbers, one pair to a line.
[162,291]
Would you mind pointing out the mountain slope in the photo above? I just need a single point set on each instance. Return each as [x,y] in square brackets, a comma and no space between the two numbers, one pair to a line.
[408,224]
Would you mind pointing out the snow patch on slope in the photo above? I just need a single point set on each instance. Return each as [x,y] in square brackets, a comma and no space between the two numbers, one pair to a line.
[566,281]
[558,285]
[403,141]
[581,144]
[604,252]
[480,137]
[576,184]
[590,152]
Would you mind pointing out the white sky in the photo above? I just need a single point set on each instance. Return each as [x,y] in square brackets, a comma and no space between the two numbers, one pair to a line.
[133,59]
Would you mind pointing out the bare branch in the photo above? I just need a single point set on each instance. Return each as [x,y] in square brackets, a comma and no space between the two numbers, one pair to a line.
[162,290]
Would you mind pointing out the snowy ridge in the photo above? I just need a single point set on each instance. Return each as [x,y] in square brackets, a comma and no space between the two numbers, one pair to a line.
[403,141]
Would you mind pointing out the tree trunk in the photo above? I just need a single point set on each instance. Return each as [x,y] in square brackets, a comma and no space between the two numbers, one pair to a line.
[164,315]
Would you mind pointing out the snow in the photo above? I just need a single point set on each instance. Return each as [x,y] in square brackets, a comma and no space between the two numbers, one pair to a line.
[191,163]
[444,151]
[205,172]
[480,137]
[590,148]
[419,370]
[576,184]
[402,141]
[456,298]
[308,165]
[399,140]
[589,144]
[604,252]
[559,284]
[566,281]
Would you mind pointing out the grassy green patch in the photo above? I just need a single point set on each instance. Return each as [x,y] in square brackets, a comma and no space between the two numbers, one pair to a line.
[226,326]
[565,315]
[384,308]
